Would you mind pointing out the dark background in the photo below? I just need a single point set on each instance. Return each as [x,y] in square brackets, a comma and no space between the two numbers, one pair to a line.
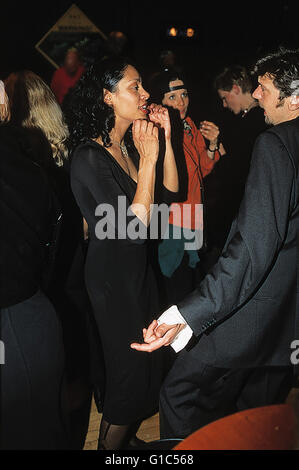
[231,32]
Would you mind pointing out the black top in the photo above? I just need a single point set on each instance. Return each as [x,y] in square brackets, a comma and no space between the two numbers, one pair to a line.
[26,215]
[120,283]
[224,186]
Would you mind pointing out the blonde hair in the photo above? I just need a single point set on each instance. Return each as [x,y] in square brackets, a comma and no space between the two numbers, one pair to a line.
[4,105]
[43,111]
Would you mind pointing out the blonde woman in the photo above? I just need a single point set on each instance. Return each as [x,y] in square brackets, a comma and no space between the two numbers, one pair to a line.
[4,109]
[32,410]
[34,106]
[36,111]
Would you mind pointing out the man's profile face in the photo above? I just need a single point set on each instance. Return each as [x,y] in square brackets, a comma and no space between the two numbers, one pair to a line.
[231,99]
[275,110]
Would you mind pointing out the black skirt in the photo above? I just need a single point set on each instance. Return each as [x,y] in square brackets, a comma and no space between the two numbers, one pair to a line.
[32,398]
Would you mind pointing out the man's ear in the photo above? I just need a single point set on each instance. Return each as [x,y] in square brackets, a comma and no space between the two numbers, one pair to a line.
[294,102]
[236,89]
[107,96]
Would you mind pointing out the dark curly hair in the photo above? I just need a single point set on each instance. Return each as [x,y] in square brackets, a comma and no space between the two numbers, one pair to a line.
[86,113]
[283,67]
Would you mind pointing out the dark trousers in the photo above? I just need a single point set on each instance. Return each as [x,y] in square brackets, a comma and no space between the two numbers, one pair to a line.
[195,394]
[33,413]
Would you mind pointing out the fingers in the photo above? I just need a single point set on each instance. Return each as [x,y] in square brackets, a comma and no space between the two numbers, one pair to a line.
[163,329]
[166,340]
[209,130]
[160,116]
[146,139]
[142,127]
[155,108]
[155,337]
[156,331]
[207,125]
[158,113]
[157,344]
[148,334]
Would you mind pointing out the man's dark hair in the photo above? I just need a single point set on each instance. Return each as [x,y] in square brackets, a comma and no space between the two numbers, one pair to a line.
[283,67]
[234,75]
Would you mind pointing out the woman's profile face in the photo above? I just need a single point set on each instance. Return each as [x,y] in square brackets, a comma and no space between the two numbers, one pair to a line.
[129,100]
[177,99]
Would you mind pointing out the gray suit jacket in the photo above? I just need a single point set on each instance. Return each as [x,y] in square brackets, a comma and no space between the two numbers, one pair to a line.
[244,313]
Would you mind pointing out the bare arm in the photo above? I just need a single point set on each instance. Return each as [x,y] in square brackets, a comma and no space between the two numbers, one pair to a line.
[145,135]
[159,115]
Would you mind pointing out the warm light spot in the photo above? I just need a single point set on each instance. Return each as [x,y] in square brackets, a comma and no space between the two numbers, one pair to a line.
[173,32]
[190,32]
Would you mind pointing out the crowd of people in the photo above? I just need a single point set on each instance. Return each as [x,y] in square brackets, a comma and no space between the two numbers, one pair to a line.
[129,226]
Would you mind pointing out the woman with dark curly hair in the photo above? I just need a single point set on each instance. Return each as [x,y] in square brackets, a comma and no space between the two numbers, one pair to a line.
[113,175]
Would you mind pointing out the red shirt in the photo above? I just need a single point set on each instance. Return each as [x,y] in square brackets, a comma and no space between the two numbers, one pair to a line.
[199,165]
[62,82]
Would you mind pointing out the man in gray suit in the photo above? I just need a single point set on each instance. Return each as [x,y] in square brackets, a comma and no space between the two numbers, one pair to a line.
[236,330]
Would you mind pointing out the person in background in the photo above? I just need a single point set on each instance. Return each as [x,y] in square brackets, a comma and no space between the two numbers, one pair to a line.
[197,151]
[66,77]
[37,114]
[236,331]
[33,400]
[117,41]
[4,108]
[225,187]
[168,60]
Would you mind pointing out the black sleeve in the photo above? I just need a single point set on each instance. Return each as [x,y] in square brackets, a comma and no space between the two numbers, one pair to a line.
[254,242]
[101,199]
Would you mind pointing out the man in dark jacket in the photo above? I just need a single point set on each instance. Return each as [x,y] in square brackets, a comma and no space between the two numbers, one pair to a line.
[242,320]
[225,185]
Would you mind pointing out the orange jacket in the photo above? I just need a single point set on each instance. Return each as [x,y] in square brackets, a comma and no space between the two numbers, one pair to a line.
[199,165]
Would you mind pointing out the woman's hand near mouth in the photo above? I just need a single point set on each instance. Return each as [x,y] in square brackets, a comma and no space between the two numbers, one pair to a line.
[159,116]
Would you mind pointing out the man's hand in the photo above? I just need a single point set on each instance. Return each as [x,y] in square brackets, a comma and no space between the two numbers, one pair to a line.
[157,336]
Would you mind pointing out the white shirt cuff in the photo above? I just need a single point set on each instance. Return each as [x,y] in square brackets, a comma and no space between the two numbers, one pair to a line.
[172,316]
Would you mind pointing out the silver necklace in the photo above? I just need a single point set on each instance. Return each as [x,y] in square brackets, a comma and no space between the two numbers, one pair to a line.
[252,105]
[124,154]
[122,147]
